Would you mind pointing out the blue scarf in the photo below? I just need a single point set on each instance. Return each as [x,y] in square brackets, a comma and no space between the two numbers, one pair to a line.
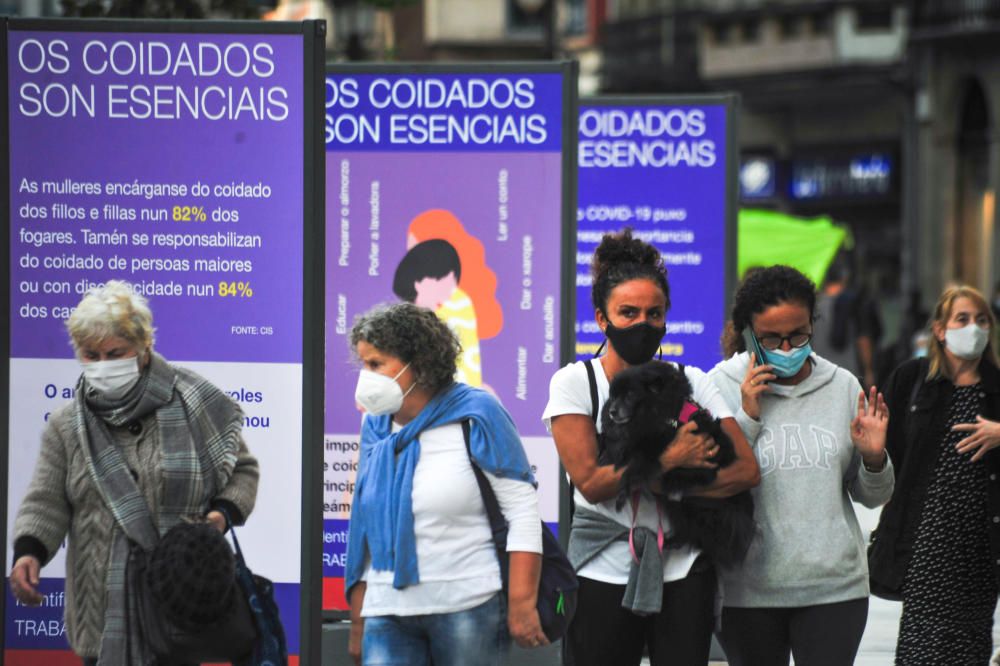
[382,512]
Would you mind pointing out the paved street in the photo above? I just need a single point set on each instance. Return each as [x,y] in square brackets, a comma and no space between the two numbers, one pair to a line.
[879,642]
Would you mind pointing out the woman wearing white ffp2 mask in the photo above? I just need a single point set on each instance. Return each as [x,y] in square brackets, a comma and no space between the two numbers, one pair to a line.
[422,574]
[379,394]
[937,546]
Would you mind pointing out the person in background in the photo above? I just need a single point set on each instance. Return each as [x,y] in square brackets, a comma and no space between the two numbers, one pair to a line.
[937,544]
[911,341]
[143,446]
[667,602]
[851,324]
[422,574]
[803,589]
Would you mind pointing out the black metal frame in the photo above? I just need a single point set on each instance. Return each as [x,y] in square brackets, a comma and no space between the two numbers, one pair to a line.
[569,71]
[314,35]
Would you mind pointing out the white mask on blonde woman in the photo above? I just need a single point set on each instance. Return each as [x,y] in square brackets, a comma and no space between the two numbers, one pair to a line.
[967,342]
[112,379]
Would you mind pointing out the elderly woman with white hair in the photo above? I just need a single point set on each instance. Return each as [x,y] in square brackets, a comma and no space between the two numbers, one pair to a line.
[143,446]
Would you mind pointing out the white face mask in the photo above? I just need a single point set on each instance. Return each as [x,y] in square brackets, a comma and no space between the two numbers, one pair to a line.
[378,394]
[967,342]
[112,379]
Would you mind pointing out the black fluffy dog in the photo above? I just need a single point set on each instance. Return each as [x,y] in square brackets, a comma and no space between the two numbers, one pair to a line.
[646,406]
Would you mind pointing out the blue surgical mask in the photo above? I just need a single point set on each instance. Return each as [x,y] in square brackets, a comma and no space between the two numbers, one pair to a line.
[788,363]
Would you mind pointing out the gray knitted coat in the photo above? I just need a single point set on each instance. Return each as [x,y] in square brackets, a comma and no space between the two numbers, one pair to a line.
[62,499]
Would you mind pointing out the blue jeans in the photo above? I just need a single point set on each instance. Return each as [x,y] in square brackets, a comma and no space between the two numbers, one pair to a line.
[474,637]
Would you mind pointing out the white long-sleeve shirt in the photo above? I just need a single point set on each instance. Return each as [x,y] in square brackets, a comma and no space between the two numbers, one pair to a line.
[455,554]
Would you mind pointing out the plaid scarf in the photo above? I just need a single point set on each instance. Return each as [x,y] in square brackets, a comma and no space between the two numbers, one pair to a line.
[199,433]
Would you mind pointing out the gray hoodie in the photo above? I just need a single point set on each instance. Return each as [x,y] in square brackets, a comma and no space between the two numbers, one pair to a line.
[809,548]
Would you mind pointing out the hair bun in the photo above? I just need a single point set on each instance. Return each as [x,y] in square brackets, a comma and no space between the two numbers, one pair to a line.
[622,248]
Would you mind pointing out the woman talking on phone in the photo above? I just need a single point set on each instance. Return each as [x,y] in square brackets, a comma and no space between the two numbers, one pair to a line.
[803,589]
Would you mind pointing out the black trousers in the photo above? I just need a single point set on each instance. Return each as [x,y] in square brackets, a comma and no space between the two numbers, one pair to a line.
[823,635]
[603,633]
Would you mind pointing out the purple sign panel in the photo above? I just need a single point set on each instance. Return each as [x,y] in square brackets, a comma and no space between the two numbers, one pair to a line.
[662,170]
[172,161]
[445,190]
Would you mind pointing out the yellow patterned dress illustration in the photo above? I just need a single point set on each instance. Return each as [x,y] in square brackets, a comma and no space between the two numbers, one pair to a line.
[460,315]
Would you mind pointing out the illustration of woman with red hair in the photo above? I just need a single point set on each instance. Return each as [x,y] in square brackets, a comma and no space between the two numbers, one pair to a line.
[445,270]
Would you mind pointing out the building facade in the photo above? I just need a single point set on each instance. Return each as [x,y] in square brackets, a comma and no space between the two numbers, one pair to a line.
[882,114]
[879,113]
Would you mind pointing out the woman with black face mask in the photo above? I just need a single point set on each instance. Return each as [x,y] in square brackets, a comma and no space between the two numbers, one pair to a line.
[613,623]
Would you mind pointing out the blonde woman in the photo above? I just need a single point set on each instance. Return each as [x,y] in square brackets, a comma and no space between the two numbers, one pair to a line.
[937,545]
[143,446]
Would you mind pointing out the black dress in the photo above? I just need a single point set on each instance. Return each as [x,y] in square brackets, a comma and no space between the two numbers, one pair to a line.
[950,589]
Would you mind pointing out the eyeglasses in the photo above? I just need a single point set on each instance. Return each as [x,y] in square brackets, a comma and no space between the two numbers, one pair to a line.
[772,342]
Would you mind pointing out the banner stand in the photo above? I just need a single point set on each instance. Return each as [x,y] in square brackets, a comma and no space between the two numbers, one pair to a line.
[469,165]
[280,86]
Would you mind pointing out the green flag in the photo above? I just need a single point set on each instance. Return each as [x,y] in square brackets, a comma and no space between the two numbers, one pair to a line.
[766,238]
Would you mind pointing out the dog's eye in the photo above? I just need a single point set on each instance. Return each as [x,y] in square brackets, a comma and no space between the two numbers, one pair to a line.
[619,417]
[655,387]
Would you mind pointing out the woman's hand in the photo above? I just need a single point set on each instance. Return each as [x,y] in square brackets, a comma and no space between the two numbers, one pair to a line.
[217,520]
[985,436]
[754,385]
[689,449]
[525,626]
[869,427]
[24,580]
[525,570]
[354,639]
[356,601]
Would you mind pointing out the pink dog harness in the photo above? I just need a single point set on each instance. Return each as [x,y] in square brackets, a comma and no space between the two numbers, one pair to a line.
[687,411]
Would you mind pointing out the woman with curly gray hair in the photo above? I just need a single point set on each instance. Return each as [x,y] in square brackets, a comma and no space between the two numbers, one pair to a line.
[144,446]
[422,574]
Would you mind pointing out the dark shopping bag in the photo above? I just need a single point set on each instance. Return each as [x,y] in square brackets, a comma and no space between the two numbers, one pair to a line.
[270,647]
[202,617]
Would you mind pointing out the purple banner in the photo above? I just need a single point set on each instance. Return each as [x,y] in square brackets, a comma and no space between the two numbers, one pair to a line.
[469,226]
[660,169]
[172,161]
[444,112]
[498,214]
[43,627]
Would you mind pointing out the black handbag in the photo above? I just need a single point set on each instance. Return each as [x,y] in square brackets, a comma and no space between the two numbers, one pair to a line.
[228,637]
[891,591]
[270,648]
[558,585]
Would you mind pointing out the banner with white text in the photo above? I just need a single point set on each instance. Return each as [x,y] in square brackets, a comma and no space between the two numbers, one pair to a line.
[172,159]
[446,188]
[663,166]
